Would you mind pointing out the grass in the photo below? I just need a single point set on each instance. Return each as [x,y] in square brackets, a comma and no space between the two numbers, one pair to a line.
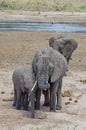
[44,5]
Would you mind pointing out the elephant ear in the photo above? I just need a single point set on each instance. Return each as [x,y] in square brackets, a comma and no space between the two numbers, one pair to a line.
[60,65]
[51,41]
[67,41]
[70,43]
[59,45]
[35,59]
[28,78]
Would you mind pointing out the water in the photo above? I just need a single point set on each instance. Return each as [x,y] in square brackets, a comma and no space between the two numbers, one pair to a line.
[43,27]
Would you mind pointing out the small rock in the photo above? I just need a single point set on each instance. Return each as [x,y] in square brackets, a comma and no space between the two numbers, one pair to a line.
[3,92]
[66,103]
[67,93]
[76,101]
[70,99]
[11,93]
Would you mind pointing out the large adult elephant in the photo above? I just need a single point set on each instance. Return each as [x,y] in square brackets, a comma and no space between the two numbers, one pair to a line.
[65,45]
[23,81]
[49,67]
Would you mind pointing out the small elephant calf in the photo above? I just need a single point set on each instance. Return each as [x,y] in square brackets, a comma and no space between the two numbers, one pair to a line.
[23,80]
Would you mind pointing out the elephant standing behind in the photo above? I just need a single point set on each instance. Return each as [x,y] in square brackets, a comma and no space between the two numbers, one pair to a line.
[23,80]
[65,45]
[49,67]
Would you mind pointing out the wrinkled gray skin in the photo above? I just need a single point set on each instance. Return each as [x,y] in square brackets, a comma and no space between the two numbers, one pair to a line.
[23,81]
[49,67]
[65,45]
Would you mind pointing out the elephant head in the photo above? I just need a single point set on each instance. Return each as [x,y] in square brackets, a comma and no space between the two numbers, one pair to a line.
[48,65]
[65,46]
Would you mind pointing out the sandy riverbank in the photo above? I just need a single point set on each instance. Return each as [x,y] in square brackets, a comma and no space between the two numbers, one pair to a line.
[52,17]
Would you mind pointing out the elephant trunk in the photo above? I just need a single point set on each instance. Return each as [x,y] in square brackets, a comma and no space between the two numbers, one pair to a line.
[43,82]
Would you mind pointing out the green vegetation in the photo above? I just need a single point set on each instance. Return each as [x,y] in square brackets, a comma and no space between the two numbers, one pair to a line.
[44,5]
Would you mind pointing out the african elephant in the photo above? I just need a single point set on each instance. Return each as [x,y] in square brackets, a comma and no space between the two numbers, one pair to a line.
[49,67]
[65,45]
[23,80]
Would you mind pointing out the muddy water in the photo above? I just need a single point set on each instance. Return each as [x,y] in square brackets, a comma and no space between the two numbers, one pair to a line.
[43,27]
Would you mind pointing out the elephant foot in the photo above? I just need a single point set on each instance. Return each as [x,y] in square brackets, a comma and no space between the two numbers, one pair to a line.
[23,108]
[18,107]
[33,115]
[14,104]
[58,108]
[52,110]
[47,104]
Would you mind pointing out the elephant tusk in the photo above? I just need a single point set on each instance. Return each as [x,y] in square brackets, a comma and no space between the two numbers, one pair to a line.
[34,86]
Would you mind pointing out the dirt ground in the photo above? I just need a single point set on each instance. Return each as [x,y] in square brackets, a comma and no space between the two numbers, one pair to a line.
[17,50]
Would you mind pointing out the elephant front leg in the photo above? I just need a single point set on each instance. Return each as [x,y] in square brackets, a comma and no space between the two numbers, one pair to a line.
[19,96]
[37,96]
[59,96]
[32,99]
[46,98]
[53,97]
[15,98]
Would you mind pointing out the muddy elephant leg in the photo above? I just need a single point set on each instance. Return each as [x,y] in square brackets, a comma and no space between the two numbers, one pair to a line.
[53,96]
[59,95]
[37,96]
[46,98]
[19,96]
[15,98]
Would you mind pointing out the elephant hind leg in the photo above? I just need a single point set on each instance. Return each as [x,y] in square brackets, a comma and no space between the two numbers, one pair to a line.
[37,96]
[59,96]
[26,102]
[15,98]
[19,97]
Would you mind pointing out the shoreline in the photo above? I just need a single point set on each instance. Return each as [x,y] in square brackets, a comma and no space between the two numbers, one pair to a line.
[42,22]
[48,17]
